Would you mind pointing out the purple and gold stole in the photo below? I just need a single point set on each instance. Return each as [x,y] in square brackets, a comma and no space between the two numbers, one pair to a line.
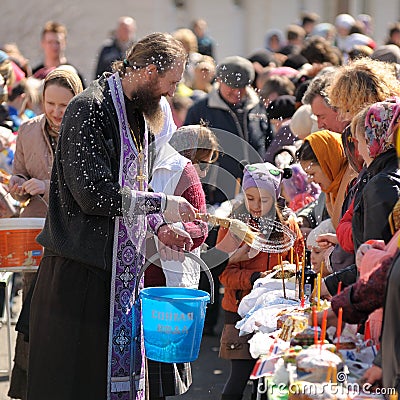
[125,347]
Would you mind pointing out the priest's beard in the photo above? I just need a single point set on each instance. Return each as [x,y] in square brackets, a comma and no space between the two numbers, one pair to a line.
[149,104]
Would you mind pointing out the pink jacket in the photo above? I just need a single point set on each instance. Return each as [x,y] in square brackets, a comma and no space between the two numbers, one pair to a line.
[370,262]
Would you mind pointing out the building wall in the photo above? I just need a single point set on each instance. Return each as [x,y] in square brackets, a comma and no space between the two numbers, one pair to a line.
[238,26]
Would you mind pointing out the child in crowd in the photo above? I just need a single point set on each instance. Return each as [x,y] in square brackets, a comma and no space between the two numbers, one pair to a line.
[261,186]
[297,191]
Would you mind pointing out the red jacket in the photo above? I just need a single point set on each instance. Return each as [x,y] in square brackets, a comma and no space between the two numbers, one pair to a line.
[344,232]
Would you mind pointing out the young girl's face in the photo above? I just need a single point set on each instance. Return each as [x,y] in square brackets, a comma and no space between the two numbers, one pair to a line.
[258,201]
[317,256]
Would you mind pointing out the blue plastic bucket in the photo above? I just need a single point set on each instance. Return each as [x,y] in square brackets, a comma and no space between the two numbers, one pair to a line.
[173,321]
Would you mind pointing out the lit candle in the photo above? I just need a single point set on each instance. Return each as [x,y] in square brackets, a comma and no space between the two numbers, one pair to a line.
[315,323]
[318,291]
[296,285]
[283,281]
[339,327]
[339,288]
[291,255]
[334,375]
[323,327]
[329,373]
[302,285]
[313,295]
[367,331]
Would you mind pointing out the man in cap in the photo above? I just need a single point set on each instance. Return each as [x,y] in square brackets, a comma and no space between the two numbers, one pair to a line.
[239,119]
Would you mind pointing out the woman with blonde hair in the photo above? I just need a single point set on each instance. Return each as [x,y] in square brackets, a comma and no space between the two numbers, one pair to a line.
[362,82]
[354,86]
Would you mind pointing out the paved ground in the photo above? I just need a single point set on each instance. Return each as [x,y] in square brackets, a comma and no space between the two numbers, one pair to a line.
[209,371]
[4,380]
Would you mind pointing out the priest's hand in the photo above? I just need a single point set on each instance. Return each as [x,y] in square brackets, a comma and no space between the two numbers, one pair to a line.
[178,209]
[172,242]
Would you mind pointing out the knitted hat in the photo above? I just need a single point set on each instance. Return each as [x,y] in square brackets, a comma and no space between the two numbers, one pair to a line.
[282,107]
[185,140]
[303,122]
[236,71]
[263,176]
[298,183]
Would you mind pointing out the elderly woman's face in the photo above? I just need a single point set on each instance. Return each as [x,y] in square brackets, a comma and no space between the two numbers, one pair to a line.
[315,174]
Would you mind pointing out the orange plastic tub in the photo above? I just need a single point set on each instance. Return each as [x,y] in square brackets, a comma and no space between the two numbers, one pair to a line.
[18,246]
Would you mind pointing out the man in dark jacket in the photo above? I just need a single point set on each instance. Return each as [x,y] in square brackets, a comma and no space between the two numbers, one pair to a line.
[115,48]
[239,119]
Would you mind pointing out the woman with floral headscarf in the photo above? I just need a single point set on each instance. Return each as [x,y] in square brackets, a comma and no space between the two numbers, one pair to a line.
[374,139]
[373,129]
[375,132]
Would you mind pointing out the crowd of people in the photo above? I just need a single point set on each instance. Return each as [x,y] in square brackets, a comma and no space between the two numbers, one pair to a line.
[301,133]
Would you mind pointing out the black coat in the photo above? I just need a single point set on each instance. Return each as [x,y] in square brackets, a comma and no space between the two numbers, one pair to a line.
[375,201]
[241,135]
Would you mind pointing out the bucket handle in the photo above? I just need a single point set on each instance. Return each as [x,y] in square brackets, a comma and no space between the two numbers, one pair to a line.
[202,264]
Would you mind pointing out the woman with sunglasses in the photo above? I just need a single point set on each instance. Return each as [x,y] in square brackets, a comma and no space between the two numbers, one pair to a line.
[177,169]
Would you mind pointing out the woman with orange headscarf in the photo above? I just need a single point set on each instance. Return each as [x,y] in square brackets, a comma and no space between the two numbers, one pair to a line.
[323,158]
